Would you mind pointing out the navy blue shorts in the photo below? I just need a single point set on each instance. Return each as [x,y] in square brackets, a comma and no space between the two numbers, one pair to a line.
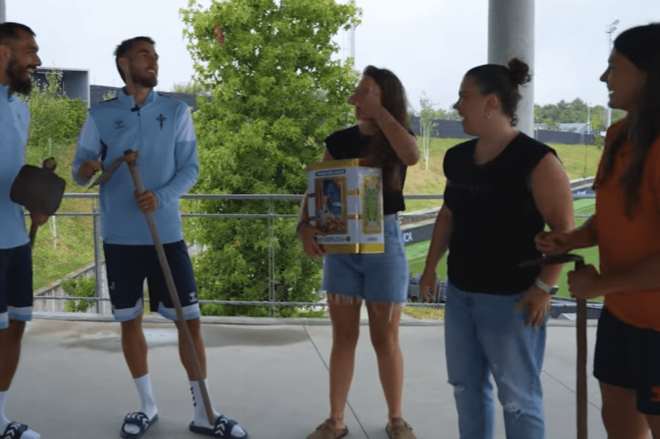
[629,357]
[15,284]
[129,265]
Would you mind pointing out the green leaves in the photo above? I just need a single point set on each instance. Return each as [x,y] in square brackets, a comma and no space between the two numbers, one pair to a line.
[56,119]
[576,111]
[278,90]
[79,287]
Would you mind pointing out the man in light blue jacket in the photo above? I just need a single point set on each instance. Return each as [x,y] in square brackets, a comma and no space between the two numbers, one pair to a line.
[18,61]
[160,129]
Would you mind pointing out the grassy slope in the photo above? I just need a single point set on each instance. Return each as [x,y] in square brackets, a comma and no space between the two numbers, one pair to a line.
[75,240]
[432,180]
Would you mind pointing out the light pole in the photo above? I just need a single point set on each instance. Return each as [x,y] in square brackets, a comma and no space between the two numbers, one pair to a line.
[609,30]
[3,13]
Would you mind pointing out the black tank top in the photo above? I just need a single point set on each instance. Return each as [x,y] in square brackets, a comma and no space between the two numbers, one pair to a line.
[495,217]
[349,143]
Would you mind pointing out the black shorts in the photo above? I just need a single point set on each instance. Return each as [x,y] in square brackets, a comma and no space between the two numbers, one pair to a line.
[129,265]
[629,357]
[15,284]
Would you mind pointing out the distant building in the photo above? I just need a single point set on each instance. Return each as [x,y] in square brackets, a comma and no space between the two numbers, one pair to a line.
[577,128]
[74,82]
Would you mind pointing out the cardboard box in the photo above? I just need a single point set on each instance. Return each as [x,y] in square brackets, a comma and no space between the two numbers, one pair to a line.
[345,200]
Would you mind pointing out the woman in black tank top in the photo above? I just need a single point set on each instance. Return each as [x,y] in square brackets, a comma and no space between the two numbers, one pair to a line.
[502,189]
[382,137]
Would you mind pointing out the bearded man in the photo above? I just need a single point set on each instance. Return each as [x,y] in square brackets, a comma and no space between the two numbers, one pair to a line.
[160,129]
[18,62]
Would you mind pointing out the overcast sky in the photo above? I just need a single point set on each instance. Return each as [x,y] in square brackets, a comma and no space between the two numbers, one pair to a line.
[429,44]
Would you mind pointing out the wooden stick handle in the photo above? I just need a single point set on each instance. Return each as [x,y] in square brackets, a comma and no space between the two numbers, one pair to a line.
[49,164]
[582,400]
[162,258]
[33,232]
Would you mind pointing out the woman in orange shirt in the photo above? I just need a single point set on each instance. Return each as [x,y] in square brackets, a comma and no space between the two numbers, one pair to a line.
[626,229]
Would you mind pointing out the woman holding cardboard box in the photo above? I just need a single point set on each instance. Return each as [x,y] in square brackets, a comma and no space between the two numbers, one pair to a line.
[383,138]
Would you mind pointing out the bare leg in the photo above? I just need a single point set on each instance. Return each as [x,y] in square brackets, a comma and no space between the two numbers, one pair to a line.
[384,329]
[195,328]
[10,352]
[620,415]
[134,346]
[345,317]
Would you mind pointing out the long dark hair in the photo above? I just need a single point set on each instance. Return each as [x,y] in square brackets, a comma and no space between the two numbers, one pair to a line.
[379,151]
[641,45]
[503,81]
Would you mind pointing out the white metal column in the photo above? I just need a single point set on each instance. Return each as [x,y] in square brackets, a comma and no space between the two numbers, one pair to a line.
[511,34]
[3,11]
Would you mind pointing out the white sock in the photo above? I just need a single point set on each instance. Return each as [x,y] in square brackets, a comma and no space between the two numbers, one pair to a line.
[4,422]
[199,414]
[147,402]
[199,411]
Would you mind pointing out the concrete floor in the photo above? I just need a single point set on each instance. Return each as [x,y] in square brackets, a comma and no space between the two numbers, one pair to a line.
[73,382]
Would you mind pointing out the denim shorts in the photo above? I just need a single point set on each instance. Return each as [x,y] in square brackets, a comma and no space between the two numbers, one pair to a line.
[379,277]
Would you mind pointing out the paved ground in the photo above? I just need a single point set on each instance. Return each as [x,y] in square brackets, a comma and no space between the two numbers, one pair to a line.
[73,382]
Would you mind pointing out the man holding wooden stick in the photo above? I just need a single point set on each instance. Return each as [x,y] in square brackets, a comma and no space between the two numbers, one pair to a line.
[161,132]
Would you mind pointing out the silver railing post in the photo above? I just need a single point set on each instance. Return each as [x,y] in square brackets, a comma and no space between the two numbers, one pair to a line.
[273,300]
[97,254]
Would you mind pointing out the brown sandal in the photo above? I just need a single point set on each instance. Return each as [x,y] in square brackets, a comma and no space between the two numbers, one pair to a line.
[397,428]
[328,430]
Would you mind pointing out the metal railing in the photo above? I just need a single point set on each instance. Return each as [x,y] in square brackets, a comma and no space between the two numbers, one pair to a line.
[271,216]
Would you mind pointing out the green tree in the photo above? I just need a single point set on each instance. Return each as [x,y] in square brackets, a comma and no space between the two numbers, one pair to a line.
[617,115]
[192,88]
[427,116]
[598,118]
[278,90]
[111,94]
[79,287]
[56,120]
[575,111]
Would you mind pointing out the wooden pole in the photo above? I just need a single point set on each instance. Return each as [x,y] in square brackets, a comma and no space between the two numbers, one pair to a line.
[162,258]
[582,416]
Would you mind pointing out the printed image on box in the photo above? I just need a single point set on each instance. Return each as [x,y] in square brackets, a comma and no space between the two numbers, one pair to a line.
[345,203]
[331,205]
[371,200]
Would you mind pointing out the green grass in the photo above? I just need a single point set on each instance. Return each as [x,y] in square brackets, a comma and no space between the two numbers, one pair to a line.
[74,238]
[579,161]
[425,313]
[416,253]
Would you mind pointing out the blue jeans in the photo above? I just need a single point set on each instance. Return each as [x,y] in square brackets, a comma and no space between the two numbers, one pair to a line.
[378,277]
[485,335]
